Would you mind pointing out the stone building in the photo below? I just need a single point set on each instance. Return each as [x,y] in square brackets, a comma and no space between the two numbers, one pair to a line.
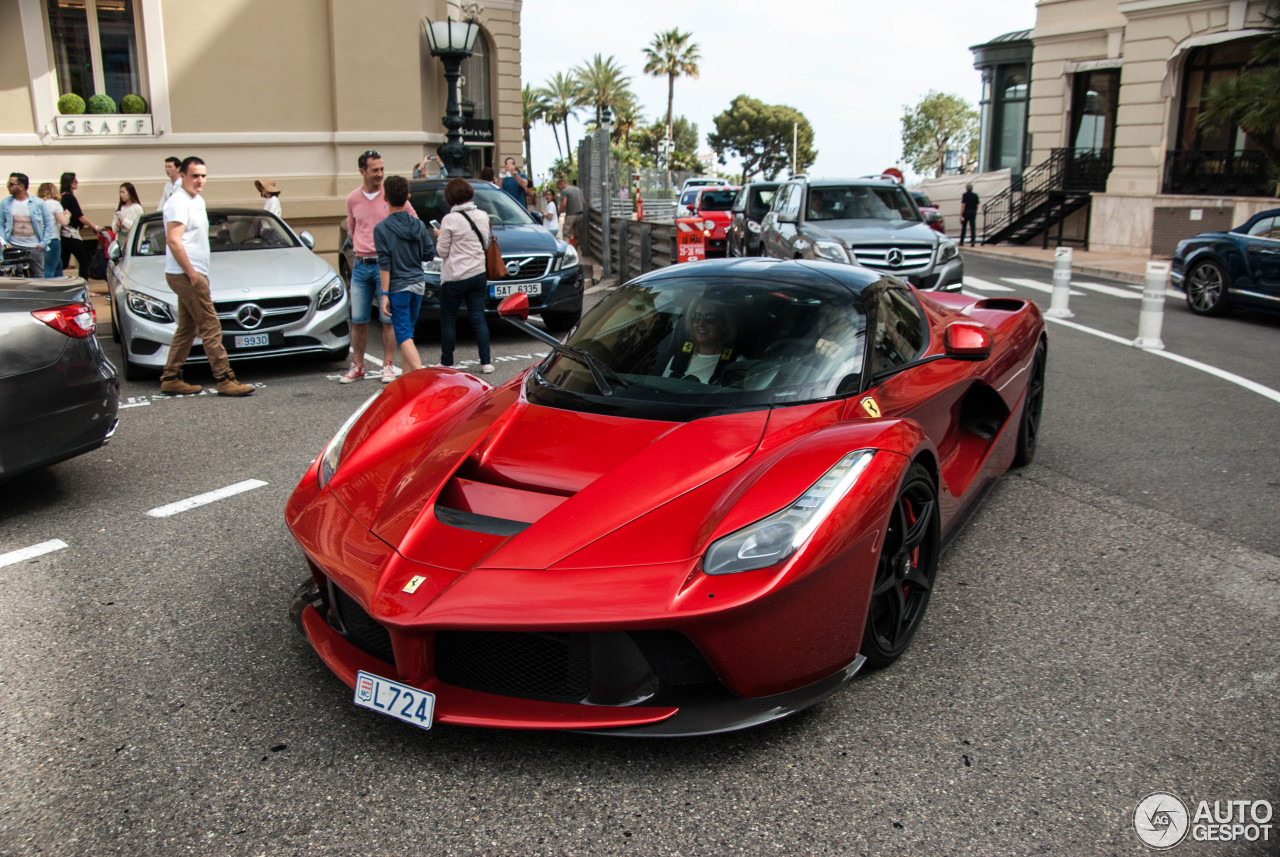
[1094,114]
[292,90]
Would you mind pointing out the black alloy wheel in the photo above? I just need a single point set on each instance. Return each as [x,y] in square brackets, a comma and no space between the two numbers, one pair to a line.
[115,316]
[1206,285]
[906,570]
[1029,430]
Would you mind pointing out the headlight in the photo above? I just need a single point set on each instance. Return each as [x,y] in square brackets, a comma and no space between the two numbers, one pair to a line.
[435,266]
[148,307]
[753,226]
[832,250]
[947,251]
[772,540]
[568,260]
[330,295]
[333,452]
[708,224]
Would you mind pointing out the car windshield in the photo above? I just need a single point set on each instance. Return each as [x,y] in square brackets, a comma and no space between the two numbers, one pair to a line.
[498,204]
[922,200]
[227,232]
[860,202]
[760,201]
[716,342]
[717,200]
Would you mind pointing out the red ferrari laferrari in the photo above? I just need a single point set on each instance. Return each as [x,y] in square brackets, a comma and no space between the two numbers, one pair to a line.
[720,497]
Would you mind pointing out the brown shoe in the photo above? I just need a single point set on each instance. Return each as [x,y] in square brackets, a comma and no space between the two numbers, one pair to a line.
[175,386]
[229,386]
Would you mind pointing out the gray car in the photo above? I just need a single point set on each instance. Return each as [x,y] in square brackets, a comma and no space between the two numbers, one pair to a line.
[273,295]
[872,222]
[58,393]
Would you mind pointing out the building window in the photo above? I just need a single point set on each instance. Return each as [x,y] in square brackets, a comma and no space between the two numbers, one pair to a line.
[1010,119]
[95,47]
[1095,99]
[474,91]
[1206,66]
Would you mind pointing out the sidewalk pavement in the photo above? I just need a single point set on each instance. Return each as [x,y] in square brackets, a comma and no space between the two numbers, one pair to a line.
[1114,266]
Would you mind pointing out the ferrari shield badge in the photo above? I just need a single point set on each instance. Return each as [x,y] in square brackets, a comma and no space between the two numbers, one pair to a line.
[869,405]
[413,584]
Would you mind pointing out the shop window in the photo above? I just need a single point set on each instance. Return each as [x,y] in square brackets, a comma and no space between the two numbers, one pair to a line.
[95,47]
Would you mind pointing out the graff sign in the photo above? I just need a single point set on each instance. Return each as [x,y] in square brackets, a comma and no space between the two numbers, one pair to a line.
[106,125]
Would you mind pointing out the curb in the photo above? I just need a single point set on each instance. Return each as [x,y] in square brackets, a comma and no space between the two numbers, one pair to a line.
[1084,268]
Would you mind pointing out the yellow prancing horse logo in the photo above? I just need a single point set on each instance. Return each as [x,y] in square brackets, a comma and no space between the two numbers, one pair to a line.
[870,406]
[413,584]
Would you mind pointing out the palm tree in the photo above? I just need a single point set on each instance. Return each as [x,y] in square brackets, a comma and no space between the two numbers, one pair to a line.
[561,96]
[535,108]
[626,118]
[602,83]
[672,54]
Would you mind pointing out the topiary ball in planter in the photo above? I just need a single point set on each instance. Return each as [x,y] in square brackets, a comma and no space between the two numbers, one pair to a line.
[101,103]
[133,104]
[70,103]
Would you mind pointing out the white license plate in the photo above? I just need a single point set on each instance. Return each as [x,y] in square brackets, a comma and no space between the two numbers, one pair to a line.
[253,340]
[507,289]
[395,699]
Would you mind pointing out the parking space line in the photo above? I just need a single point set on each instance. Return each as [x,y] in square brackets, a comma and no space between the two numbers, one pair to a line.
[1240,381]
[32,552]
[985,285]
[1037,286]
[205,499]
[1109,290]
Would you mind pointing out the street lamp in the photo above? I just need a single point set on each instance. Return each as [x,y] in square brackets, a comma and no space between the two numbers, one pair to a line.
[606,128]
[452,41]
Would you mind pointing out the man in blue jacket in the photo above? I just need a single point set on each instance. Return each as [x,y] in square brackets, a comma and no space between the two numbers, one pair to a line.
[26,223]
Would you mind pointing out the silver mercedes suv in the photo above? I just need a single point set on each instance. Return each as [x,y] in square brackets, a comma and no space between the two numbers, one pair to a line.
[872,222]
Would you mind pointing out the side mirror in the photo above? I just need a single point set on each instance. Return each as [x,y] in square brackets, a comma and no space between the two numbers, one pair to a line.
[515,306]
[784,217]
[307,240]
[114,252]
[964,341]
[932,217]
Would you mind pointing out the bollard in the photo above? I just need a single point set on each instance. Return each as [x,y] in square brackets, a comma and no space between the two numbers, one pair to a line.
[1151,318]
[1061,284]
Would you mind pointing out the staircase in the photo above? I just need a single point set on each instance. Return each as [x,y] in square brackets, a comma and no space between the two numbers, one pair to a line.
[1045,196]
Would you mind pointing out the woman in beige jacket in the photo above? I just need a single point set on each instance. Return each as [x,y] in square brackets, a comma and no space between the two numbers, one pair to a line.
[460,242]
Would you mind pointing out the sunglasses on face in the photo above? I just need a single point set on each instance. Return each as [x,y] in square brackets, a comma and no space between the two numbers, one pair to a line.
[708,317]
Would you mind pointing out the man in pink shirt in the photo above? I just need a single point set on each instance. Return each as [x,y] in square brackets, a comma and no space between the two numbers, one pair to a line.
[366,208]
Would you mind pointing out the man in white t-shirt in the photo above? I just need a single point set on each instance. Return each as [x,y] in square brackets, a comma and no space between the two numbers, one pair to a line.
[26,223]
[171,167]
[186,270]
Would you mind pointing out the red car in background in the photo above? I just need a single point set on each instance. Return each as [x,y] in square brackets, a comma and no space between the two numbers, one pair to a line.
[932,216]
[712,206]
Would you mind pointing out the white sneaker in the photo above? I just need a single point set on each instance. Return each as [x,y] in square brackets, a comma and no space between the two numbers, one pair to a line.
[388,373]
[486,369]
[355,373]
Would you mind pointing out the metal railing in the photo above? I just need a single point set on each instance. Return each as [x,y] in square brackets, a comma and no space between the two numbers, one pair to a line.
[1080,171]
[1219,173]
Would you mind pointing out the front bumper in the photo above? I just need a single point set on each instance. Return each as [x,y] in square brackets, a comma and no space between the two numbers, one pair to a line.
[323,331]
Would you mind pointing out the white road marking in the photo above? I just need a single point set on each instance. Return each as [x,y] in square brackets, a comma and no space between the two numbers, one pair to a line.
[1231,377]
[205,499]
[135,402]
[32,552]
[1108,290]
[985,285]
[1037,286]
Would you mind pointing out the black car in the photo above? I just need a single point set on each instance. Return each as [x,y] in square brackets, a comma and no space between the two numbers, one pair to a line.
[749,208]
[539,264]
[1220,271]
[59,394]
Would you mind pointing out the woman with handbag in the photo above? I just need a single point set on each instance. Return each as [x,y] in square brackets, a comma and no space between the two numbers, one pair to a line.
[461,241]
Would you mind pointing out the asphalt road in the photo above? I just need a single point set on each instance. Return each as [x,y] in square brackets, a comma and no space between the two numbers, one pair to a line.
[1105,627]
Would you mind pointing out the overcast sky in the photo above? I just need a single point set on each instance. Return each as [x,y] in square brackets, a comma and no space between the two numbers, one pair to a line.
[850,66]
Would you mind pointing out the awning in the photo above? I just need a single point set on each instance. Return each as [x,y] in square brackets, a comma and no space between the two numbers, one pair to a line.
[1173,71]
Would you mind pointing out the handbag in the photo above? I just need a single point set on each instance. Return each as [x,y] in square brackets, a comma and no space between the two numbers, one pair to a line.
[494,267]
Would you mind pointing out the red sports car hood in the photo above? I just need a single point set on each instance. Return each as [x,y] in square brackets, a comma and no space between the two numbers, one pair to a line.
[530,485]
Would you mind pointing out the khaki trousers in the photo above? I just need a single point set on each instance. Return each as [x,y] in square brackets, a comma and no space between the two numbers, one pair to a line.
[196,317]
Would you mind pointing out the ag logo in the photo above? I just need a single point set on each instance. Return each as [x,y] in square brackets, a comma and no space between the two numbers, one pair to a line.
[869,405]
[1161,820]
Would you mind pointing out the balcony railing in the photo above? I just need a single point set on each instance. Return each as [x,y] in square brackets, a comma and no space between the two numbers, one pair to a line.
[1219,173]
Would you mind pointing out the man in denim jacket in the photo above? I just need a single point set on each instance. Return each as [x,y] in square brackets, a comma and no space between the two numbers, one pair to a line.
[26,223]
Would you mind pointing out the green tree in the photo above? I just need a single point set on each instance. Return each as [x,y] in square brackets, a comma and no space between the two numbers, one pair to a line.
[601,83]
[561,95]
[1251,101]
[535,109]
[672,55]
[938,124]
[761,136]
[627,118]
[683,132]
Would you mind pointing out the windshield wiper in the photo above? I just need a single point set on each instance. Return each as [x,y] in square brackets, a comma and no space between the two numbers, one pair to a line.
[597,367]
